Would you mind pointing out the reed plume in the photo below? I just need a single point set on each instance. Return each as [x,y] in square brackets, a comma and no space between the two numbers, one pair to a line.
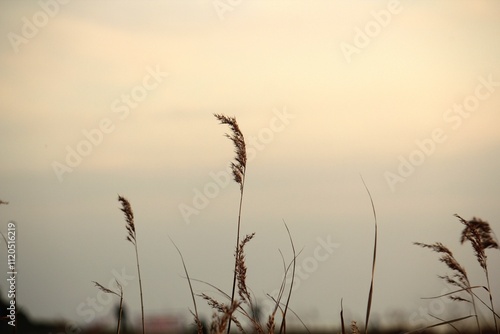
[225,313]
[480,235]
[238,169]
[459,277]
[241,271]
[132,237]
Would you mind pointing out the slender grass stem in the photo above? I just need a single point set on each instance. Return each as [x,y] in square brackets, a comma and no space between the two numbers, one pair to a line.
[132,237]
[140,286]
[233,291]
[370,294]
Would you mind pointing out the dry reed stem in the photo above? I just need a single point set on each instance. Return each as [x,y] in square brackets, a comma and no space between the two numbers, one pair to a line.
[481,237]
[238,140]
[370,294]
[271,324]
[243,292]
[342,316]
[459,278]
[132,237]
[197,320]
[294,261]
[223,315]
[239,170]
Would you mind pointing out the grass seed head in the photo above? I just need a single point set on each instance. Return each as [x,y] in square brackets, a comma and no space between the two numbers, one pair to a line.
[481,237]
[129,218]
[238,168]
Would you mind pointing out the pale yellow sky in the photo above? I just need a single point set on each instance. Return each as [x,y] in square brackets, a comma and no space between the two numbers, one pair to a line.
[360,113]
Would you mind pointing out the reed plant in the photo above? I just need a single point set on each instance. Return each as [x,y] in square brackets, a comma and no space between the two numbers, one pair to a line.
[481,237]
[238,168]
[132,238]
[242,304]
[239,305]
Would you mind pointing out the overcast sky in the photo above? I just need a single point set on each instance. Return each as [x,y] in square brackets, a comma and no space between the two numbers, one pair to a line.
[117,97]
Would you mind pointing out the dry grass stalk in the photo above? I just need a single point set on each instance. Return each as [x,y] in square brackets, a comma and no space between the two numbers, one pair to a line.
[479,233]
[370,293]
[277,301]
[223,315]
[293,263]
[342,316]
[132,237]
[271,324]
[481,237]
[239,169]
[238,140]
[458,279]
[241,271]
[119,294]
[197,320]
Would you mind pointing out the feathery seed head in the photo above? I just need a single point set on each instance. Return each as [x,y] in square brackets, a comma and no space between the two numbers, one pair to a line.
[459,278]
[238,140]
[129,218]
[481,237]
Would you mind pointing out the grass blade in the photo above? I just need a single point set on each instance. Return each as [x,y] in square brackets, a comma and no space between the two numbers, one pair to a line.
[439,324]
[370,294]
[283,323]
[342,316]
[196,317]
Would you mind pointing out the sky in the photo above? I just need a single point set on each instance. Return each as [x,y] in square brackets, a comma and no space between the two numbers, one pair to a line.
[108,98]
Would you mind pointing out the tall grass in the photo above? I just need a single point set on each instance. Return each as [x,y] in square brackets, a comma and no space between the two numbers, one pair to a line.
[238,169]
[480,235]
[132,238]
[240,304]
[370,293]
[197,319]
[244,305]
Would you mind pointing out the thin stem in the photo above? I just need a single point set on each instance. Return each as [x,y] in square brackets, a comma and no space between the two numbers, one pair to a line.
[283,322]
[370,294]
[197,318]
[120,313]
[491,298]
[140,285]
[237,246]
